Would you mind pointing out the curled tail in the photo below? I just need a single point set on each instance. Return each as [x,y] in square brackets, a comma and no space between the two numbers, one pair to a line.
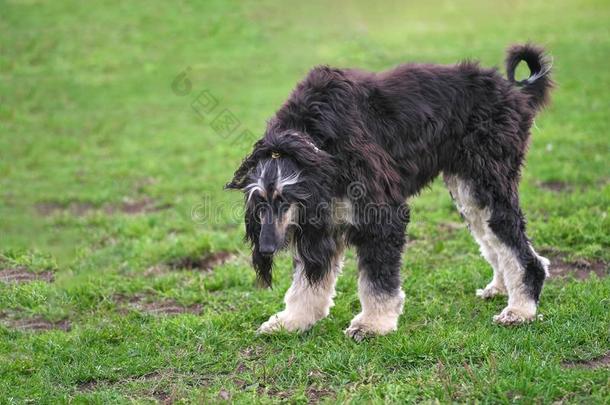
[538,86]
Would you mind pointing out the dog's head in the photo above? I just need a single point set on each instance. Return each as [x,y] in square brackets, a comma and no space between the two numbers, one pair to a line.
[280,180]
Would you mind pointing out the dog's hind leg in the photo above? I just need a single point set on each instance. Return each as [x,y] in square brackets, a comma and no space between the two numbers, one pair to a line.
[381,296]
[524,270]
[503,228]
[306,303]
[477,218]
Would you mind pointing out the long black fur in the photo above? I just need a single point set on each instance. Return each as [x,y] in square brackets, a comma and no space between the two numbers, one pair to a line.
[392,133]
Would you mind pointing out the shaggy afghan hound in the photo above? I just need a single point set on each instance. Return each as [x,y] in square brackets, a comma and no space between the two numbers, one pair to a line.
[345,151]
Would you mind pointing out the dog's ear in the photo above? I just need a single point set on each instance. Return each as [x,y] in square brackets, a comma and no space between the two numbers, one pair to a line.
[301,148]
[262,264]
[241,174]
[234,184]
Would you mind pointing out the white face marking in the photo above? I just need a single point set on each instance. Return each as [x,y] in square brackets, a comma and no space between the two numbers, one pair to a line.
[257,186]
[282,182]
[288,218]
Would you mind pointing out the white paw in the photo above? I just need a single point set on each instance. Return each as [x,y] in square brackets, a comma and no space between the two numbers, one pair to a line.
[272,325]
[514,316]
[490,291]
[362,327]
[283,321]
[358,332]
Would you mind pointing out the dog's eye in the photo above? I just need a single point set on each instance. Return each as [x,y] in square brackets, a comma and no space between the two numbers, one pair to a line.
[261,208]
[283,207]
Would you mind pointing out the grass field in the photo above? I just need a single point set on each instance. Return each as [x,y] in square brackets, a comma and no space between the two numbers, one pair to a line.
[123,274]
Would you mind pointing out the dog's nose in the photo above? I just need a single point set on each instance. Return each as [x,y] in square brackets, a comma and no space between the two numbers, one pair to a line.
[267,240]
[266,250]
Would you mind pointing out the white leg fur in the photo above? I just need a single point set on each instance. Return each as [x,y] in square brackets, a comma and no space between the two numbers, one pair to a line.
[477,223]
[305,304]
[508,272]
[521,307]
[379,314]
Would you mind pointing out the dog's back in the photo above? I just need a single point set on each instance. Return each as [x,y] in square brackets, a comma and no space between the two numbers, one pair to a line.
[420,119]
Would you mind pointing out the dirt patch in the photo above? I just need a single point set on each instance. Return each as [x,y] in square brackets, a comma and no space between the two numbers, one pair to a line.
[168,307]
[315,395]
[603,361]
[273,393]
[136,206]
[163,389]
[77,209]
[87,386]
[556,186]
[205,263]
[146,304]
[128,206]
[37,324]
[91,385]
[224,395]
[163,397]
[252,353]
[580,269]
[22,275]
[248,357]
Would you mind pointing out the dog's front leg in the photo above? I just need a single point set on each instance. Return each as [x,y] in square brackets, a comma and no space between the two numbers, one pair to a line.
[381,296]
[305,303]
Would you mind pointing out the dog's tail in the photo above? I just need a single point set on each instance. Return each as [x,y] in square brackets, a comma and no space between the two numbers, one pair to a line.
[538,86]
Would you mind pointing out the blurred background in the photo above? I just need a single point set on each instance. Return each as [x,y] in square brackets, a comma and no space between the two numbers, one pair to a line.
[95,118]
[123,273]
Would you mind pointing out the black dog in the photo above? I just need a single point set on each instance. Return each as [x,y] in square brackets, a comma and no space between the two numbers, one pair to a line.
[345,151]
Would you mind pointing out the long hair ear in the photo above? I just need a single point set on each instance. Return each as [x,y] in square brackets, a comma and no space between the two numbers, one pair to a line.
[262,264]
[301,148]
[241,174]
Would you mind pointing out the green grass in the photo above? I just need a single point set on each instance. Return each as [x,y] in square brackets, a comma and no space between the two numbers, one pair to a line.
[89,122]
